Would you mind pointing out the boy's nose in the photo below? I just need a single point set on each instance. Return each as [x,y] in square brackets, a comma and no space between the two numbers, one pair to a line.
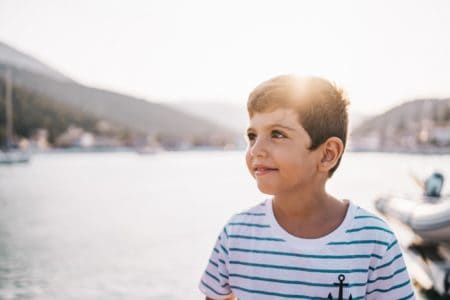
[259,148]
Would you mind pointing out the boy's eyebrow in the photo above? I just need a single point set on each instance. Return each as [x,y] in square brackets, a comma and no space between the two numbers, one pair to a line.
[274,125]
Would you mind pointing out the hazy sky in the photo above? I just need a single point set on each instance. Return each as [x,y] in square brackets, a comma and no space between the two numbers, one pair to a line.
[382,52]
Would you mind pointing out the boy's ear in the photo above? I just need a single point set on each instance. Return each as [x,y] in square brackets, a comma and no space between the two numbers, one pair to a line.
[331,151]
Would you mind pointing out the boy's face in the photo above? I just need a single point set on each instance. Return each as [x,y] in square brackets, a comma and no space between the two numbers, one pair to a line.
[277,154]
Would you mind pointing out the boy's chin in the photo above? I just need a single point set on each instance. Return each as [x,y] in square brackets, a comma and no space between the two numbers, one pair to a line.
[268,190]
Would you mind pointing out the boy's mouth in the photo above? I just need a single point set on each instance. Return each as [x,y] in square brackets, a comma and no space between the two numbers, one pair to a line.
[263,170]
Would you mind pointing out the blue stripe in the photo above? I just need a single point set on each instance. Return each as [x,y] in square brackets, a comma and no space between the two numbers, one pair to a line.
[387,277]
[390,289]
[221,261]
[392,245]
[235,262]
[212,276]
[369,217]
[236,236]
[223,276]
[388,263]
[306,255]
[249,224]
[369,228]
[216,250]
[214,263]
[223,248]
[407,297]
[294,296]
[213,290]
[359,242]
[291,281]
[251,214]
[225,231]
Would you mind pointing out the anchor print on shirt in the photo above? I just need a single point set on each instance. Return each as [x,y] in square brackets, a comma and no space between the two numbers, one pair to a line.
[341,285]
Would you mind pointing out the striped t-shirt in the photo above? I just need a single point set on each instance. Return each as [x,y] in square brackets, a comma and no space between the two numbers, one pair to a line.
[255,258]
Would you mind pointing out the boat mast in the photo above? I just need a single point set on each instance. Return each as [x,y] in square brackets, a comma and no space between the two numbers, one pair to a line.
[8,109]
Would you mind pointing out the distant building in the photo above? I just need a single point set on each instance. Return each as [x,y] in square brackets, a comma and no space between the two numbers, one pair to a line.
[75,137]
[440,135]
[370,142]
[106,142]
[39,140]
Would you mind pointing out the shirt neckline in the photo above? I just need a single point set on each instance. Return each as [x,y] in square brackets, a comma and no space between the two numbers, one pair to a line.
[302,243]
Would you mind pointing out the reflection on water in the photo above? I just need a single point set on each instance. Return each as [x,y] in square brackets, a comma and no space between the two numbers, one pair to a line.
[124,226]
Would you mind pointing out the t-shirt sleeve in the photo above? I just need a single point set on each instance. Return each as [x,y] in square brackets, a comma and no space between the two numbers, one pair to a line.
[214,281]
[389,278]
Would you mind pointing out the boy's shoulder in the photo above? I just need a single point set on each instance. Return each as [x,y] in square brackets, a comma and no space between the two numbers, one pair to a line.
[257,211]
[369,224]
[367,216]
[254,216]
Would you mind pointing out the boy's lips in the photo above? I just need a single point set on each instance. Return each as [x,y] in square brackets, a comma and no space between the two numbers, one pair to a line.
[263,170]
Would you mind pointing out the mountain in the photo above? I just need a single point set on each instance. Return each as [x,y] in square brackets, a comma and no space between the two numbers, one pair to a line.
[356,119]
[138,115]
[408,114]
[228,115]
[13,57]
[32,111]
[417,125]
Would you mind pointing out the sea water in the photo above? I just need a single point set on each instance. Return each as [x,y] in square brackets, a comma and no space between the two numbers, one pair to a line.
[126,226]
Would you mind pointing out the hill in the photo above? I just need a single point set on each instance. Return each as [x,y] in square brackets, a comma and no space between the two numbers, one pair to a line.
[33,111]
[13,57]
[138,115]
[416,125]
[228,115]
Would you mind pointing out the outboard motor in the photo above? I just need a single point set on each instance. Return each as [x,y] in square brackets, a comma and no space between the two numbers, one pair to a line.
[434,184]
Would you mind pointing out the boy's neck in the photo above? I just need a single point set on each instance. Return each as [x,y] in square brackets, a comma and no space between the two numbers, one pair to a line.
[309,214]
[304,203]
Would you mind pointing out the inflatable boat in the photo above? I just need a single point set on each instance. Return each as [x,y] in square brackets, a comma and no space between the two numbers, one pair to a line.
[427,257]
[430,220]
[429,266]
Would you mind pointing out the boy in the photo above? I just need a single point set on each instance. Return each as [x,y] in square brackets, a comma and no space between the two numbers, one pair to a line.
[302,243]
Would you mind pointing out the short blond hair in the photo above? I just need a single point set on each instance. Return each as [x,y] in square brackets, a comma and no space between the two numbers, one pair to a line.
[320,104]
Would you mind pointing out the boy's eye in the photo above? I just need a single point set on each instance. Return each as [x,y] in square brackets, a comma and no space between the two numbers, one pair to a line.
[251,136]
[277,134]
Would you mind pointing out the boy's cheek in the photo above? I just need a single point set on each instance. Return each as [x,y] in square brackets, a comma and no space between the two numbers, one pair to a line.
[249,164]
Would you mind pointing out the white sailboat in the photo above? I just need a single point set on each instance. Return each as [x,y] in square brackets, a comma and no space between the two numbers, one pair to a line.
[10,155]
